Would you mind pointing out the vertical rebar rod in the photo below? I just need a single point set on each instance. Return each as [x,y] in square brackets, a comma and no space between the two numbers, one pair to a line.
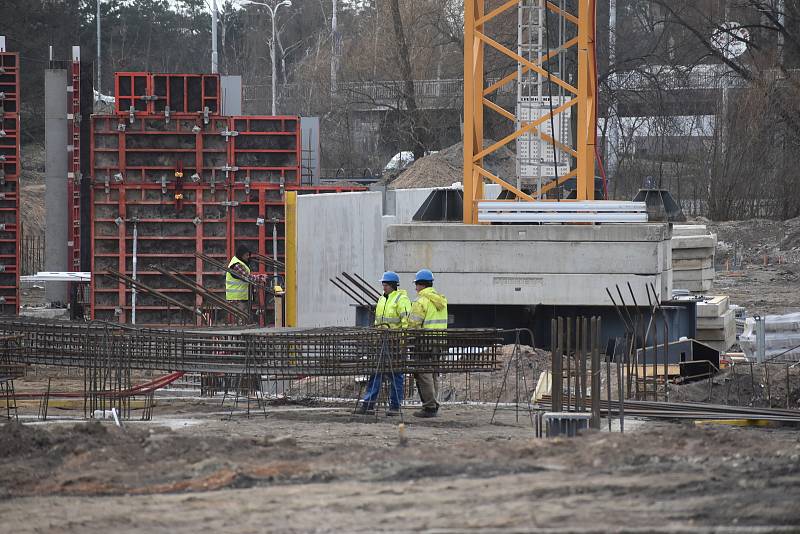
[769,389]
[569,351]
[788,390]
[621,395]
[608,384]
[557,366]
[595,336]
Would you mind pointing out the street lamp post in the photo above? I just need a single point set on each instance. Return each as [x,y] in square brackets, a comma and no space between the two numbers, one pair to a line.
[272,12]
[214,52]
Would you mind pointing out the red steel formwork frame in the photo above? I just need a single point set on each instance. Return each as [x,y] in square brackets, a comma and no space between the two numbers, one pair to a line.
[265,150]
[190,184]
[74,168]
[170,94]
[10,227]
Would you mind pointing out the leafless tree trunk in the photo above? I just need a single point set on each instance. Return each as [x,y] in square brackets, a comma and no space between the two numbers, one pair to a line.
[407,76]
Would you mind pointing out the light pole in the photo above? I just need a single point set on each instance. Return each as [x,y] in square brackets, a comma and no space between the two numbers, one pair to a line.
[214,53]
[99,65]
[272,12]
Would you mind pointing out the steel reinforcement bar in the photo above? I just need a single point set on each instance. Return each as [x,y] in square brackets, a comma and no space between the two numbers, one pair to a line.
[281,353]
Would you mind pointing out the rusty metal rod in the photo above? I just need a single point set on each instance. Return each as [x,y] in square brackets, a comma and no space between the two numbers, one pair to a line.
[112,273]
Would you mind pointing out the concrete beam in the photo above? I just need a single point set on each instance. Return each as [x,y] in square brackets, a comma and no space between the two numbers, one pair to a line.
[557,257]
[628,232]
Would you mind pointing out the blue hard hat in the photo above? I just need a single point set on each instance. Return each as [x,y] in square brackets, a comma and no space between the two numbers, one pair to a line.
[424,275]
[390,277]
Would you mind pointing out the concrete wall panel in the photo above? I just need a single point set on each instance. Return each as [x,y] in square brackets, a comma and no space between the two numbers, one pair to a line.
[335,233]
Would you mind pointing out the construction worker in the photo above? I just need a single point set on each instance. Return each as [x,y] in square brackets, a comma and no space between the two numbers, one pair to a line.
[429,312]
[391,312]
[237,286]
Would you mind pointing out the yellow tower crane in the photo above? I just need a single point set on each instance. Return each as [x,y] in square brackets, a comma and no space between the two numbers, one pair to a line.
[581,153]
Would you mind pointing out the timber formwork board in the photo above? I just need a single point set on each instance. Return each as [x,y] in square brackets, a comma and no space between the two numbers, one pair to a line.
[10,227]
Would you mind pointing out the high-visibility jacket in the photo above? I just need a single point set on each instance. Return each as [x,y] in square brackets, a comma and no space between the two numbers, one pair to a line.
[236,288]
[392,310]
[429,311]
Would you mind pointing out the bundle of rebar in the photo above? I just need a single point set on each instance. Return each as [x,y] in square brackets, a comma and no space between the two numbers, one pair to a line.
[692,411]
[277,352]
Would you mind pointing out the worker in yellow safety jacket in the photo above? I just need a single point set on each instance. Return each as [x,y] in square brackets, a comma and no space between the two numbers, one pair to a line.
[429,312]
[391,312]
[237,286]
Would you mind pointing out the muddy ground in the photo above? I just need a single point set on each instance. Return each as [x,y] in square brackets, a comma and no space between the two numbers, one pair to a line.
[309,469]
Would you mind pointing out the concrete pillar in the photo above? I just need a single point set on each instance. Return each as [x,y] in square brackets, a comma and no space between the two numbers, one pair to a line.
[55,113]
[231,87]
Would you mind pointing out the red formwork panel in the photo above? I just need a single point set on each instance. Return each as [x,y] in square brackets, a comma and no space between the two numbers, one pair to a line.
[167,94]
[10,228]
[132,90]
[265,150]
[152,150]
[9,82]
[74,168]
[168,235]
[186,93]
[210,221]
[190,184]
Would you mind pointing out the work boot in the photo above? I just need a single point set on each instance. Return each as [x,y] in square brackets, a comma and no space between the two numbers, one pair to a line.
[426,413]
[364,409]
[393,411]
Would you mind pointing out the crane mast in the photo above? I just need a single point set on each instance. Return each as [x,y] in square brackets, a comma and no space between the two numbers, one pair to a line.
[553,37]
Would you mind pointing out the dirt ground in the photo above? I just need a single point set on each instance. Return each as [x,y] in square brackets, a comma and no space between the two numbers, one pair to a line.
[758,264]
[322,470]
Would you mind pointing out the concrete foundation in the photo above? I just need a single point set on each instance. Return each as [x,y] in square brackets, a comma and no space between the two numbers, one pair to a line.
[567,265]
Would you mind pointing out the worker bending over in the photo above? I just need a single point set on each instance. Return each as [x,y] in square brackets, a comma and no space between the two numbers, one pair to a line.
[237,286]
[392,313]
[429,311]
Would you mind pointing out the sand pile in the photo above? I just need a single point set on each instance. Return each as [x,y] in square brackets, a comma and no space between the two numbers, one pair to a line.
[447,167]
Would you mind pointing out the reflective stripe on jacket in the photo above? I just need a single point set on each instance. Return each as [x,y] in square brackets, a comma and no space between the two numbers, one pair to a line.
[429,311]
[235,288]
[392,311]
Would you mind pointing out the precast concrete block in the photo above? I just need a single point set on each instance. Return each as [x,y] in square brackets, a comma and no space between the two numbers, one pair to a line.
[714,307]
[689,229]
[694,274]
[717,323]
[691,265]
[697,286]
[694,241]
[692,253]
[717,334]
